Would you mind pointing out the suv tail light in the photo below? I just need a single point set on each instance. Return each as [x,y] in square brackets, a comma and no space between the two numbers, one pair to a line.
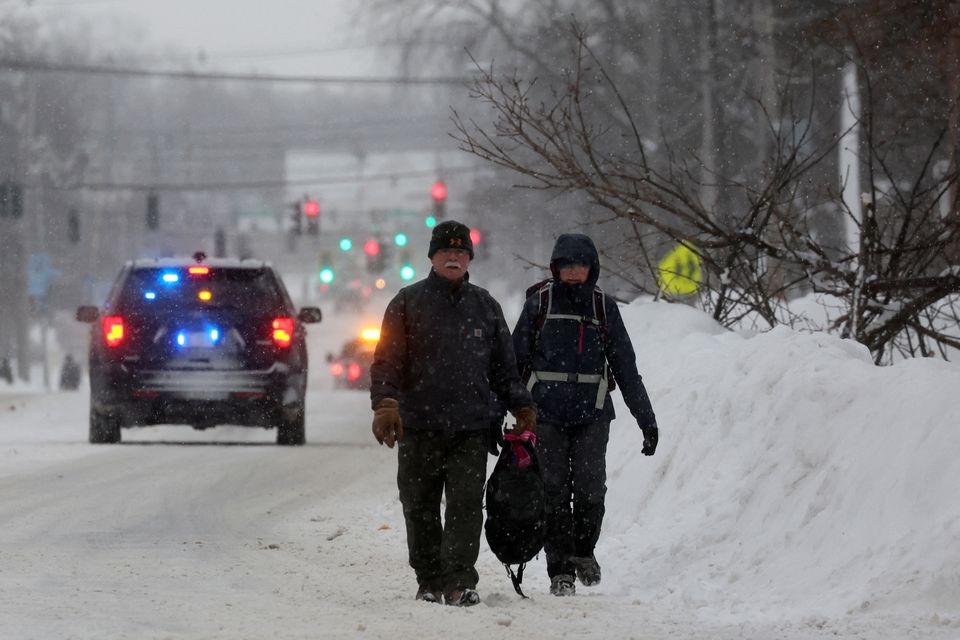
[282,331]
[353,372]
[113,330]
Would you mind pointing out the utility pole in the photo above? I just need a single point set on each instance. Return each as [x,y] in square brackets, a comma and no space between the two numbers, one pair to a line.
[12,278]
[849,150]
[14,239]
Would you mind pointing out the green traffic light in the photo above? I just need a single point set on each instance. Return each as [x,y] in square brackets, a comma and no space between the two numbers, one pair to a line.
[431,222]
[346,244]
[326,275]
[400,239]
[407,272]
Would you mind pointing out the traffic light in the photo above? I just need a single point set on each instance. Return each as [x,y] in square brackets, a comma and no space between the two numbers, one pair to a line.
[311,210]
[296,218]
[326,269]
[73,226]
[374,252]
[407,272]
[480,244]
[400,239]
[153,211]
[430,222]
[439,194]
[346,244]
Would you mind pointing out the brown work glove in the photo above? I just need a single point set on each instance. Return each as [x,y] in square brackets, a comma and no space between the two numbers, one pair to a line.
[526,419]
[387,426]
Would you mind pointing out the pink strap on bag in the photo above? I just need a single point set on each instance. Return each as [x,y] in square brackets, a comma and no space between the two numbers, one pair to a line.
[520,454]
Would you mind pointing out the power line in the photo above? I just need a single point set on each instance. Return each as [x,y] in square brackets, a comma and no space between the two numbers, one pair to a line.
[257,184]
[319,127]
[132,72]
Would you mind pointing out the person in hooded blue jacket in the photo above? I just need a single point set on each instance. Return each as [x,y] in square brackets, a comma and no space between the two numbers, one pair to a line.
[571,345]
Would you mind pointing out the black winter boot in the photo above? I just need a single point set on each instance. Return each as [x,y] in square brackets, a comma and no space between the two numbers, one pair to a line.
[562,585]
[427,594]
[588,570]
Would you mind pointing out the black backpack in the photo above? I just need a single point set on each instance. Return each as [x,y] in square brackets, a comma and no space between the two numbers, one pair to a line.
[544,291]
[515,501]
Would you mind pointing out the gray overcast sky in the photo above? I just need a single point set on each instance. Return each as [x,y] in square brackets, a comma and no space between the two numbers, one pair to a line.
[313,37]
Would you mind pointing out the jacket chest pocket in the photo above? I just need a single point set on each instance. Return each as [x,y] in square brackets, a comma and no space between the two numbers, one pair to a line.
[569,337]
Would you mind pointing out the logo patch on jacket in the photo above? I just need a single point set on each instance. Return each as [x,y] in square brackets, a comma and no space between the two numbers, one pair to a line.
[478,333]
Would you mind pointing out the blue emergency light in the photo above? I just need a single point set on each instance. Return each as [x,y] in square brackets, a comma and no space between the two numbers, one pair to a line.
[212,334]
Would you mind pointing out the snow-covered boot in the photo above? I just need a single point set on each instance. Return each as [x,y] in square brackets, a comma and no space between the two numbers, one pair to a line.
[427,594]
[463,597]
[588,570]
[562,585]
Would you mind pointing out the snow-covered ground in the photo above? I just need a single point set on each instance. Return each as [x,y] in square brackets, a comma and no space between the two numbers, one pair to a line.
[798,492]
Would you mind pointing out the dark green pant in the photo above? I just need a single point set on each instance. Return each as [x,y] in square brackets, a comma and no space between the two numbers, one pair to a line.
[431,464]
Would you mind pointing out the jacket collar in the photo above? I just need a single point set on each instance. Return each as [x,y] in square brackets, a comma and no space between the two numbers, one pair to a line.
[446,286]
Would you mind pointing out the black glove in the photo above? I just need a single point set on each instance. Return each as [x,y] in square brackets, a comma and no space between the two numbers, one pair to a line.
[650,437]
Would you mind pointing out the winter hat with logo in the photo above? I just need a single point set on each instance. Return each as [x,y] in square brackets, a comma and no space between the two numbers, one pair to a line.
[450,234]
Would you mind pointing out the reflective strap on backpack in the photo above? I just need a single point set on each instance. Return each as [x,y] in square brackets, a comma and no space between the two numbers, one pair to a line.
[587,378]
[575,318]
[598,320]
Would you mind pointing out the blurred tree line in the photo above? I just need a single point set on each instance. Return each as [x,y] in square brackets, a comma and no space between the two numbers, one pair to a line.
[87,144]
[800,148]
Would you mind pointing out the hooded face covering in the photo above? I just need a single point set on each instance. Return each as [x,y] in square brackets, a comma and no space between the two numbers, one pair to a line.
[571,249]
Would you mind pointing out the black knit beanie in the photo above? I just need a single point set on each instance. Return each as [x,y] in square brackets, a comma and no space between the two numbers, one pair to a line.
[450,234]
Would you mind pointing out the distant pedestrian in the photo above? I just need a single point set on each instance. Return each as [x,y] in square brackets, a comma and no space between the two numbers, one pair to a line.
[571,346]
[444,360]
[5,371]
[69,374]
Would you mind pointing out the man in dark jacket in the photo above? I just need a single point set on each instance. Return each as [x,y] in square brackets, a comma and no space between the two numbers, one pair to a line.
[444,361]
[571,345]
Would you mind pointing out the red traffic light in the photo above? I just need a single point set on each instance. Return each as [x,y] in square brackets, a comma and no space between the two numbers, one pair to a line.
[475,236]
[311,208]
[439,190]
[371,247]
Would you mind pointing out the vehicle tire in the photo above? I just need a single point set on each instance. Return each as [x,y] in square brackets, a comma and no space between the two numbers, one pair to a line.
[292,431]
[104,429]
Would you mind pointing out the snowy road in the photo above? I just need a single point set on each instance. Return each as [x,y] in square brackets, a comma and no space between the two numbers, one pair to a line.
[228,536]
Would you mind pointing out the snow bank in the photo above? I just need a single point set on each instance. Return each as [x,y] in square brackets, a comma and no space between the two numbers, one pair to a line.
[792,475]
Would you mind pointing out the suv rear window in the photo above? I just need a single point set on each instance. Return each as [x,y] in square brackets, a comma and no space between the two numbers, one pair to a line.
[164,290]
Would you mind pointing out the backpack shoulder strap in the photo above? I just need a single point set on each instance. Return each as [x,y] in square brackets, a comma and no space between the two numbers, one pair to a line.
[532,289]
[545,293]
[600,312]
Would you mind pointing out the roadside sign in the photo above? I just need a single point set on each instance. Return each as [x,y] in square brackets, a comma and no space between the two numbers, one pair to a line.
[679,271]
